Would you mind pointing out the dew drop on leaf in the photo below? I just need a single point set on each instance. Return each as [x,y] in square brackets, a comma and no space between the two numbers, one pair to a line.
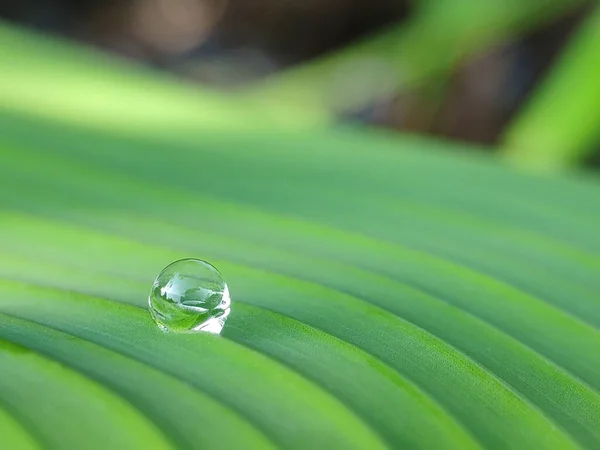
[189,295]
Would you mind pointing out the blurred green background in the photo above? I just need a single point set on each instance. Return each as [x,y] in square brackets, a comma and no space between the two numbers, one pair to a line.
[519,77]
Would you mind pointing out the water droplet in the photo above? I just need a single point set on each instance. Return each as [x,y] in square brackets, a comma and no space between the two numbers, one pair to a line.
[189,295]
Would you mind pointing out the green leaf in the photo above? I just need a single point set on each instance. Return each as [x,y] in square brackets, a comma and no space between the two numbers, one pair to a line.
[388,292]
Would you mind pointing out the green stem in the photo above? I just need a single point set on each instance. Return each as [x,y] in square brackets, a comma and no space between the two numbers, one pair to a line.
[428,45]
[561,123]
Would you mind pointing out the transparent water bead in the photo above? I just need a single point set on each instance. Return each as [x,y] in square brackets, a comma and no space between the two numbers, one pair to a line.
[189,295]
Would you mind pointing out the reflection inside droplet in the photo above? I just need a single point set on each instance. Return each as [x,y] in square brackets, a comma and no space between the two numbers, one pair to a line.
[189,295]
